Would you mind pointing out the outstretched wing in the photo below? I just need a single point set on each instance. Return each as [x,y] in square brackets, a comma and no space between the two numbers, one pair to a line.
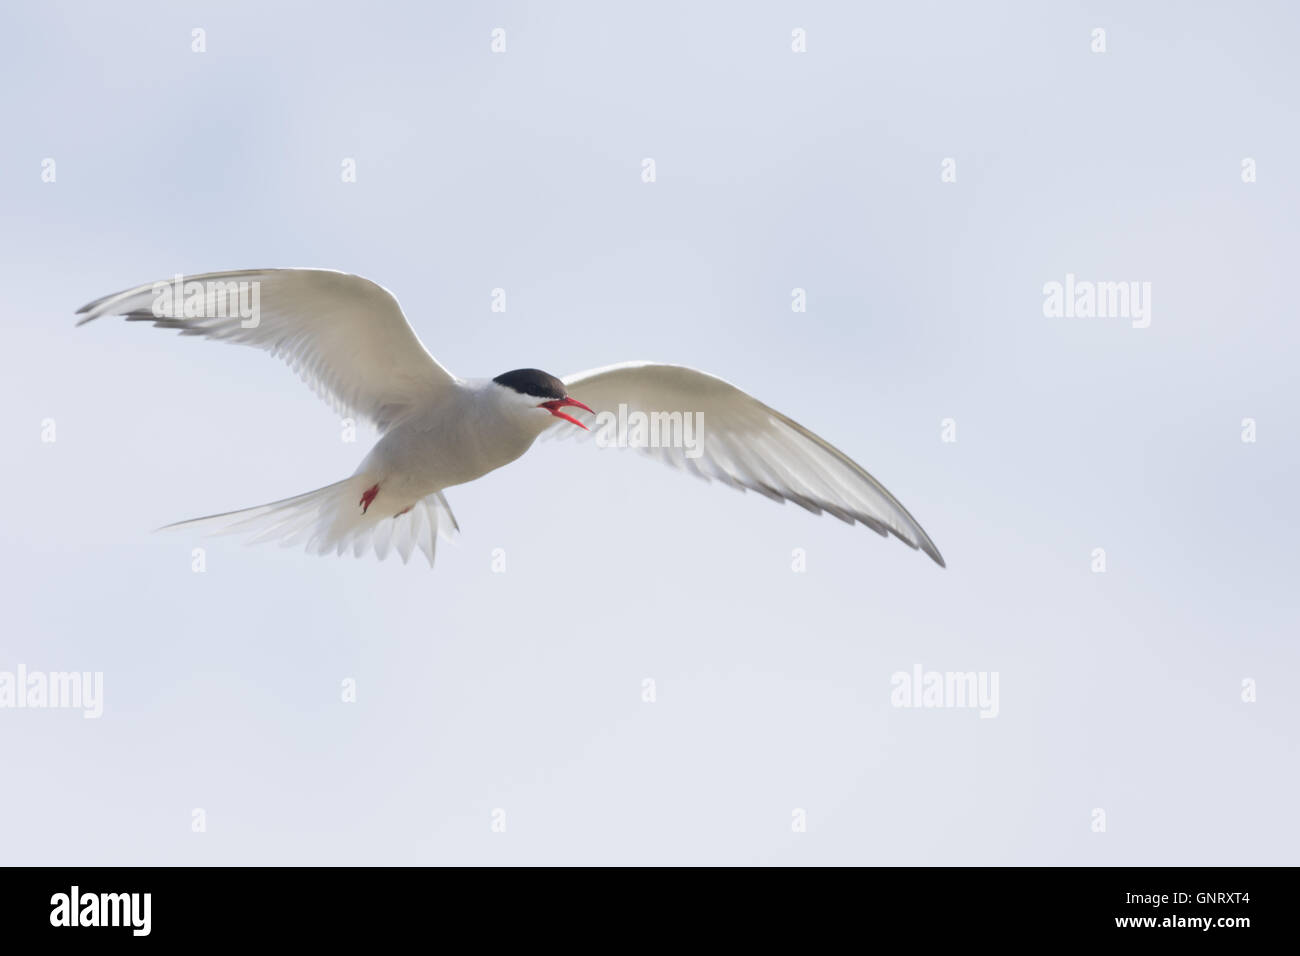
[344,335]
[745,444]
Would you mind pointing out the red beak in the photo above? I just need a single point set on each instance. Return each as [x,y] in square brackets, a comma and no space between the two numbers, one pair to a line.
[555,405]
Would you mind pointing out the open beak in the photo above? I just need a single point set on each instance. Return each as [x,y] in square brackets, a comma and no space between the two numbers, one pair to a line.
[555,405]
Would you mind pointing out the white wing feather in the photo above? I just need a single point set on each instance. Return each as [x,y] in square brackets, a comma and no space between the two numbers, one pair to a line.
[746,444]
[344,335]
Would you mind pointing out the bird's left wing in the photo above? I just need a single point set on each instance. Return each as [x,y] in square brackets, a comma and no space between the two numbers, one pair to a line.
[344,335]
[740,442]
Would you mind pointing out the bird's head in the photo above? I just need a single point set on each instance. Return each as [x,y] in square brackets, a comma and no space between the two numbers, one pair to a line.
[530,389]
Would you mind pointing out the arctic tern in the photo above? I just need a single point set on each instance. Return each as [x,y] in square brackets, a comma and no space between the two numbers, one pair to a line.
[348,339]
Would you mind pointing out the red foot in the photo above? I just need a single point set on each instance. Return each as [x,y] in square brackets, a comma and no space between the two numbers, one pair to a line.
[367,497]
[403,511]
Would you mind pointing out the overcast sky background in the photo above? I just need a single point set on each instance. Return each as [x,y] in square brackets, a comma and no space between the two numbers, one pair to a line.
[775,170]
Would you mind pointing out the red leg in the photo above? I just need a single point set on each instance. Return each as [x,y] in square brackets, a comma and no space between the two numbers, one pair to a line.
[403,511]
[367,497]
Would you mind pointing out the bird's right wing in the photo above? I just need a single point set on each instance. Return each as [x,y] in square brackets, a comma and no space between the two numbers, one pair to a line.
[745,444]
[344,335]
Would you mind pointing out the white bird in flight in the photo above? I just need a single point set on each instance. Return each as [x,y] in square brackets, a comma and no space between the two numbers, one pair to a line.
[348,339]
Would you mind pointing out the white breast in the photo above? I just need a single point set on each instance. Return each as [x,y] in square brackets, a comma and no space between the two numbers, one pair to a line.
[469,431]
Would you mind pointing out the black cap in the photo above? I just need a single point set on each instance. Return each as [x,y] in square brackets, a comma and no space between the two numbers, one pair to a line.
[532,381]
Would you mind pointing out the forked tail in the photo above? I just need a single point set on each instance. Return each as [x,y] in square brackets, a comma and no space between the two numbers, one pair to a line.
[331,519]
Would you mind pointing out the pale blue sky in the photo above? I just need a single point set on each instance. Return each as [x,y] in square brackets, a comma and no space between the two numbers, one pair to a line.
[776,170]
